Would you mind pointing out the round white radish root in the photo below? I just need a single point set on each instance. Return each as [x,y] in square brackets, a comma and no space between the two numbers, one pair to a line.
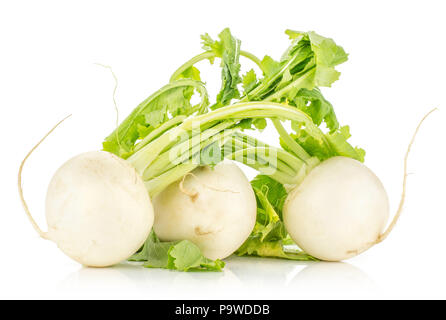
[338,211]
[98,210]
[215,208]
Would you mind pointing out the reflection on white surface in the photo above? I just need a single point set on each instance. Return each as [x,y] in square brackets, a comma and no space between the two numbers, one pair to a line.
[259,272]
[331,279]
[137,281]
[242,278]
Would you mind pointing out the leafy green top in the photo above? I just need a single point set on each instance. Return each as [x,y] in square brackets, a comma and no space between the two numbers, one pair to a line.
[308,63]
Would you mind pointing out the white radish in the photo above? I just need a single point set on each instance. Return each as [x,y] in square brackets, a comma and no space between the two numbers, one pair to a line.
[339,208]
[98,210]
[215,208]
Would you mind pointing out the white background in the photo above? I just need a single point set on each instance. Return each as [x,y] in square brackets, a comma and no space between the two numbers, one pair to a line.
[395,74]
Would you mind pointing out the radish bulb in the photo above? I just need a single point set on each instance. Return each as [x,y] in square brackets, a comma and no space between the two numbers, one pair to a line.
[215,208]
[98,210]
[341,208]
[338,211]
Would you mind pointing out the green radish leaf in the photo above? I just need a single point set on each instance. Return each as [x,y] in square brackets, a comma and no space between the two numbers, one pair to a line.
[309,62]
[190,73]
[269,237]
[228,49]
[186,256]
[313,103]
[249,81]
[175,255]
[337,145]
[254,246]
[172,100]
[274,192]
